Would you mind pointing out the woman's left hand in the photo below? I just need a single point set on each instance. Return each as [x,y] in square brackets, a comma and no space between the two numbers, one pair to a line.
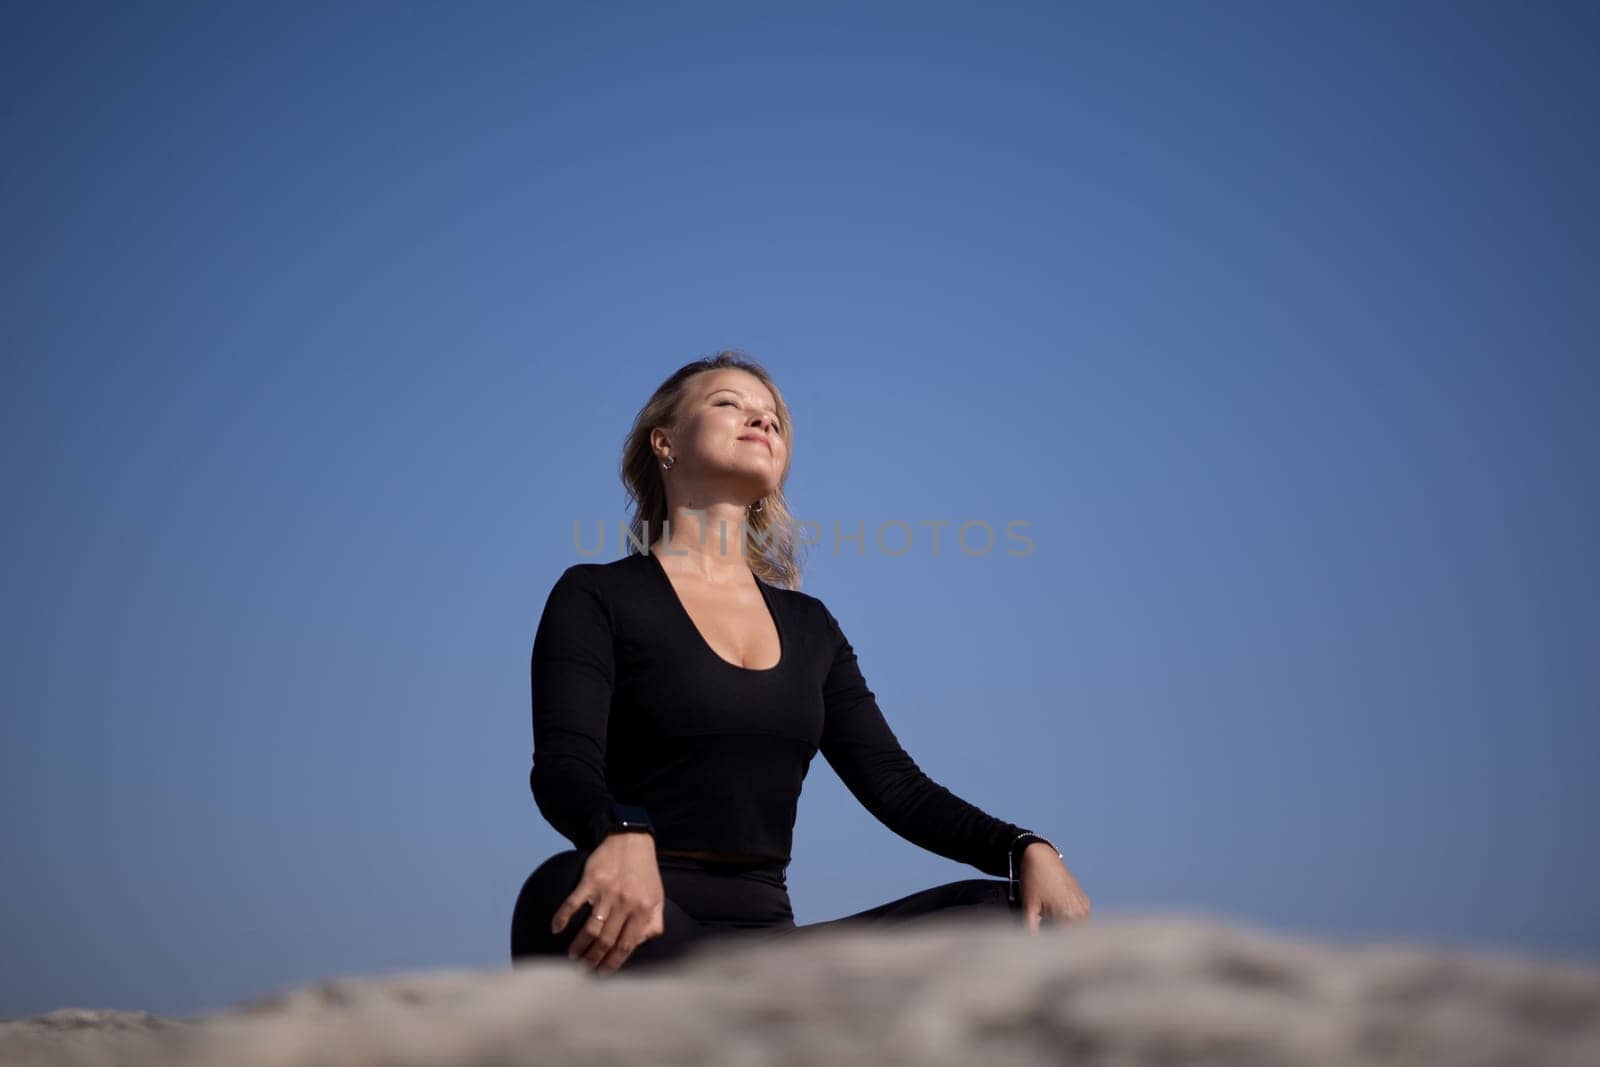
[1048,889]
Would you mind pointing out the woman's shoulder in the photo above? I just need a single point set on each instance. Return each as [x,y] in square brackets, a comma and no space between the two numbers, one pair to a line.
[807,607]
[609,581]
[624,568]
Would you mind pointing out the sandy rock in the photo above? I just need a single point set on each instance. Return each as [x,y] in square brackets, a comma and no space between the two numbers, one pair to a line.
[1119,992]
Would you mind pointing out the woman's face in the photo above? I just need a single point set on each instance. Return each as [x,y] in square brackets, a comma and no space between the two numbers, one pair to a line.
[728,427]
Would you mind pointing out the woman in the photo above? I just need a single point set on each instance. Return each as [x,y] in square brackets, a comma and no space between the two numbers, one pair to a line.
[680,693]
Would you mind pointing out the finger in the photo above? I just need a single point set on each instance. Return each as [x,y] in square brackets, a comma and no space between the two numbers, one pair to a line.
[605,940]
[575,900]
[584,930]
[605,933]
[588,930]
[579,943]
[628,939]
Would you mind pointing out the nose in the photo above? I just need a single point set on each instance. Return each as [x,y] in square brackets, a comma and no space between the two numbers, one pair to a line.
[764,421]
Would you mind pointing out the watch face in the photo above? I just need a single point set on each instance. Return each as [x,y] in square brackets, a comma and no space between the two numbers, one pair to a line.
[618,817]
[630,815]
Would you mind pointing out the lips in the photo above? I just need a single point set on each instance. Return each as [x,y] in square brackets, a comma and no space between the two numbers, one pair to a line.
[757,440]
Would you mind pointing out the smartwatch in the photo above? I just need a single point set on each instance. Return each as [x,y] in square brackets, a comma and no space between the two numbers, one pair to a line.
[624,817]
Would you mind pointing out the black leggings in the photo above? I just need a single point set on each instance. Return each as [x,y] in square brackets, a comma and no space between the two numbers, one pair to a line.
[706,900]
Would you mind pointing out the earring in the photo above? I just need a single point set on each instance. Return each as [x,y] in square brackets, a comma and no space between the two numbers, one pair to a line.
[759,504]
[667,463]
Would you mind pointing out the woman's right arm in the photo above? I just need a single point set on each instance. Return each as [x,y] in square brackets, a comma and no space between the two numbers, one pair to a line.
[572,674]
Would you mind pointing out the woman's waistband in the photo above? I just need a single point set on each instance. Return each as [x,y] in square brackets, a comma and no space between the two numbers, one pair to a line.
[763,870]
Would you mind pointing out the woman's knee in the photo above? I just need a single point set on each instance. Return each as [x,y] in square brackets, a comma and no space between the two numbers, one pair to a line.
[967,899]
[959,898]
[542,893]
[984,892]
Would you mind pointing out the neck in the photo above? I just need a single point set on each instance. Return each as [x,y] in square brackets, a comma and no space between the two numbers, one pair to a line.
[709,541]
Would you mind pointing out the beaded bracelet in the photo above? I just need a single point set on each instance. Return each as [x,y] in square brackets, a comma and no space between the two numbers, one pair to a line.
[1013,880]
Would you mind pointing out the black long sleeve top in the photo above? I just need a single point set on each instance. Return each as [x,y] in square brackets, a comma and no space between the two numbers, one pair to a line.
[631,704]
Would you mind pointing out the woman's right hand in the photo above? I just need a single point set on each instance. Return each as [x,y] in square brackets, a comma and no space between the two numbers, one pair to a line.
[622,881]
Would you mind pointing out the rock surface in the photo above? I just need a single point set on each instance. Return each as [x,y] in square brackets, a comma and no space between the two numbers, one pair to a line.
[1105,992]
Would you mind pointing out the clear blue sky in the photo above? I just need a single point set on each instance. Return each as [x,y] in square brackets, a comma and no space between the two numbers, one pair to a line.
[1275,322]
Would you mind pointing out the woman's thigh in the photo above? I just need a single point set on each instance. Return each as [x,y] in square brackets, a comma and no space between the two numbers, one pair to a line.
[555,879]
[953,900]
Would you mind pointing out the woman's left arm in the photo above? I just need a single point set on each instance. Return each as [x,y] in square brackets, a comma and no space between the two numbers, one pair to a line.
[861,748]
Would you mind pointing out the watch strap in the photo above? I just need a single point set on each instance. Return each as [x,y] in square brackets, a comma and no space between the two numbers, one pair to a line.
[1019,845]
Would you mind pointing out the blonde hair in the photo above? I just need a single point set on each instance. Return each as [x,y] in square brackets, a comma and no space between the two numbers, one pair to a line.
[769,545]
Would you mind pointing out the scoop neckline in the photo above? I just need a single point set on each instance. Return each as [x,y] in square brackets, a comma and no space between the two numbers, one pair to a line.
[688,620]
